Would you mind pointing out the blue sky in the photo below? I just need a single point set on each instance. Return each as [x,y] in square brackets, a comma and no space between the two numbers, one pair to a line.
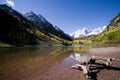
[70,15]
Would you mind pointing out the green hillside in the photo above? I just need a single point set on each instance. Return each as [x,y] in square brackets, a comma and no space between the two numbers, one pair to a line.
[110,35]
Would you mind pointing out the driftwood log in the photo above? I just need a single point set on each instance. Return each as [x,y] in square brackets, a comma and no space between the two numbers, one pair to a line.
[85,66]
[99,60]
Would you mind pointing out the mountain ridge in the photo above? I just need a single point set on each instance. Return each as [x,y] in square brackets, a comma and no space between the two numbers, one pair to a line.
[17,30]
[46,26]
[85,32]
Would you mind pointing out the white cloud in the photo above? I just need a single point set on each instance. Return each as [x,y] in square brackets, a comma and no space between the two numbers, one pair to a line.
[10,3]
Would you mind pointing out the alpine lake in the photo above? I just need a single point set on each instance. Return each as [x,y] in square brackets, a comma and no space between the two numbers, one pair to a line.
[41,63]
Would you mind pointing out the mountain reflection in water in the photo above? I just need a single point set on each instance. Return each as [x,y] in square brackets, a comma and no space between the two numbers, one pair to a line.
[79,57]
[29,63]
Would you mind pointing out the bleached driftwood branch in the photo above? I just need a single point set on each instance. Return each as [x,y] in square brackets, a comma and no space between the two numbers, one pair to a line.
[99,60]
[85,66]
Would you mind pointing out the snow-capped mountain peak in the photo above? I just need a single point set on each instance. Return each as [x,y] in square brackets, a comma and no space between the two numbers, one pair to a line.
[36,18]
[97,31]
[80,33]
